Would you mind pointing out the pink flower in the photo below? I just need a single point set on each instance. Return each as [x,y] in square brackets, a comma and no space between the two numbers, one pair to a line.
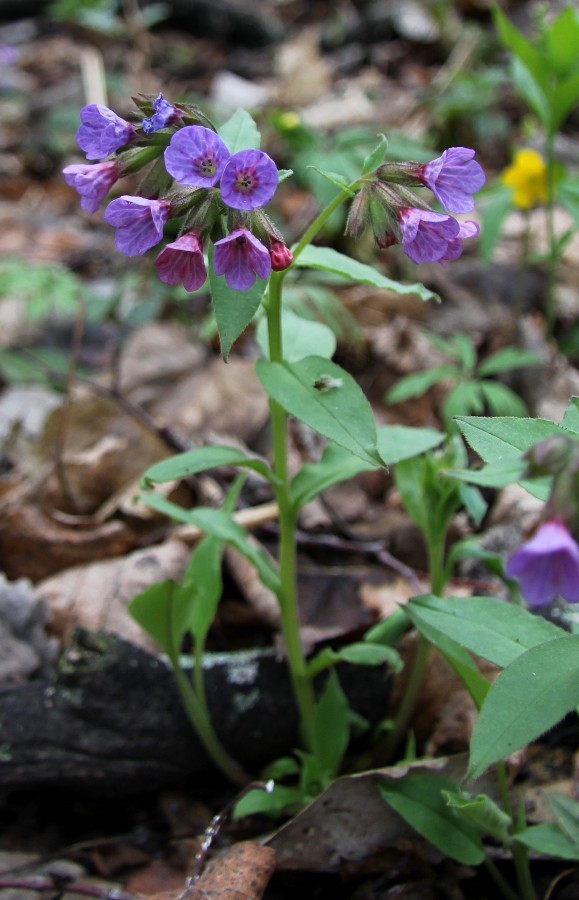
[92,182]
[140,223]
[241,257]
[181,262]
[547,565]
[249,180]
[427,236]
[453,178]
[280,255]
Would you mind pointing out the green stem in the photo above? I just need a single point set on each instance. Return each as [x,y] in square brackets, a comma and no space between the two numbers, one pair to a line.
[288,598]
[199,715]
[551,237]
[502,884]
[385,753]
[519,852]
[320,221]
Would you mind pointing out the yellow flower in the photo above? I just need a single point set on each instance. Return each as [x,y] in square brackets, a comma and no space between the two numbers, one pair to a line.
[527,175]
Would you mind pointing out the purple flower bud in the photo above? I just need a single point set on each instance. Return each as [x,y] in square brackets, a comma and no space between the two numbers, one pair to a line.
[453,178]
[196,156]
[92,182]
[547,566]
[102,131]
[280,255]
[181,262]
[240,257]
[140,223]
[427,236]
[165,113]
[249,180]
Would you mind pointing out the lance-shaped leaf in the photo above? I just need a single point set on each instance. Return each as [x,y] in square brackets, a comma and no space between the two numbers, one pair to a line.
[200,459]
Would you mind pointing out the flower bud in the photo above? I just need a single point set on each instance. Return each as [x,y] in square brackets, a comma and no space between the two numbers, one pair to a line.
[281,256]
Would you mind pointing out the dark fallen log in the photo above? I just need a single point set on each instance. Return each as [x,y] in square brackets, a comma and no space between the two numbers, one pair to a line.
[249,25]
[112,722]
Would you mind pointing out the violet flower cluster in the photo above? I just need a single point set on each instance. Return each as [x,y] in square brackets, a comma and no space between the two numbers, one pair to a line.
[399,216]
[217,196]
[193,177]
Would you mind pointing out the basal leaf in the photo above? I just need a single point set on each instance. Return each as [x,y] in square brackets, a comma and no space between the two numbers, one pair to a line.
[548,839]
[420,801]
[528,698]
[335,466]
[183,465]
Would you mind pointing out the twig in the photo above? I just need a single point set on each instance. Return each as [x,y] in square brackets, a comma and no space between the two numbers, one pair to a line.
[58,883]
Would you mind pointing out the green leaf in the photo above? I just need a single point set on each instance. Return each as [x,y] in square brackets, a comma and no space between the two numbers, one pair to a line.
[549,839]
[489,628]
[398,442]
[498,438]
[234,310]
[334,178]
[155,610]
[240,132]
[331,730]
[464,398]
[202,587]
[301,337]
[506,360]
[571,417]
[482,812]
[564,98]
[464,351]
[501,400]
[420,801]
[495,203]
[496,474]
[191,462]
[275,802]
[566,811]
[360,654]
[523,49]
[321,394]
[528,698]
[329,260]
[219,524]
[535,94]
[335,466]
[376,157]
[417,383]
[562,40]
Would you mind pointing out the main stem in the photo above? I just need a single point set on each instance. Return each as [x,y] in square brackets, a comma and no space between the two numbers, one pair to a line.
[288,599]
[551,237]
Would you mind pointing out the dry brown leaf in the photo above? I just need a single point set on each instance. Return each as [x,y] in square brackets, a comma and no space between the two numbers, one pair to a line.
[241,874]
[33,544]
[96,595]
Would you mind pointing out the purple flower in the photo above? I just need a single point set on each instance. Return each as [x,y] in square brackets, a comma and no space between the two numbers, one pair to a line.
[102,131]
[249,180]
[196,156]
[547,566]
[182,262]
[454,250]
[427,236]
[453,178]
[92,182]
[165,113]
[240,257]
[140,223]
